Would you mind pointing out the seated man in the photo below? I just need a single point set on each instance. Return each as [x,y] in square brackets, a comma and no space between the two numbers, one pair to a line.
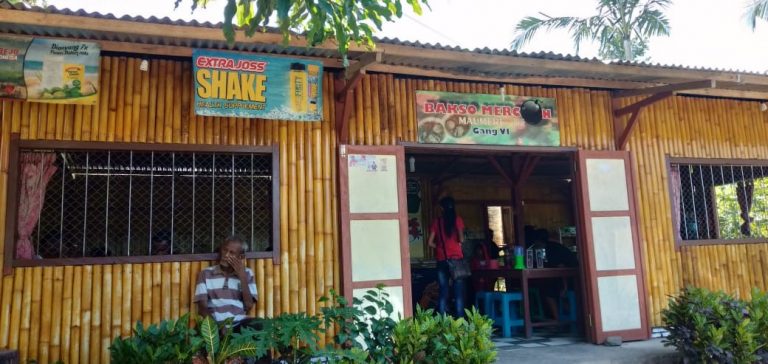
[558,256]
[228,289]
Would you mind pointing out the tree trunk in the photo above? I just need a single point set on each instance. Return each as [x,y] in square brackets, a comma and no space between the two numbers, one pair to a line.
[628,49]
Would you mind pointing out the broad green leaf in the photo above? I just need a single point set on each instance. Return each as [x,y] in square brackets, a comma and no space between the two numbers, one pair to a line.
[210,334]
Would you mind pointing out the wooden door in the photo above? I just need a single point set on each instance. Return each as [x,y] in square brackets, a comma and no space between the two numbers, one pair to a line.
[374,224]
[611,255]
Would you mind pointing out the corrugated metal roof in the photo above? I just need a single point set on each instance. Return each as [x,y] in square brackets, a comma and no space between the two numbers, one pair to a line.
[385,40]
[481,62]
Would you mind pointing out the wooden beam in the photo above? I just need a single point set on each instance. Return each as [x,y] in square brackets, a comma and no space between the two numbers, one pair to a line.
[694,85]
[362,63]
[622,132]
[642,103]
[560,81]
[343,104]
[501,171]
[527,170]
[621,142]
[447,58]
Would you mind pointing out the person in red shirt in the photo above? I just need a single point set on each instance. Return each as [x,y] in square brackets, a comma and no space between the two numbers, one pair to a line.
[446,234]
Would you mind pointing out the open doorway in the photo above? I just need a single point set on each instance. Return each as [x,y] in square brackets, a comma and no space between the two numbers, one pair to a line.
[506,200]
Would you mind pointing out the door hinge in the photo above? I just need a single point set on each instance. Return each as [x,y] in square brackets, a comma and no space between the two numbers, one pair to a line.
[343,151]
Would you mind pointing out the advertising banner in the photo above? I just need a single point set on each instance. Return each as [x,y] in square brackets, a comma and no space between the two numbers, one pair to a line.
[49,70]
[458,118]
[248,86]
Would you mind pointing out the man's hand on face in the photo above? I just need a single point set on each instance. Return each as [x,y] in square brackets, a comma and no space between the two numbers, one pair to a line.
[237,265]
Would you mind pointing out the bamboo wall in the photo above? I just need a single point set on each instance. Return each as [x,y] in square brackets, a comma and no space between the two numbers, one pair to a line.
[679,126]
[696,128]
[73,313]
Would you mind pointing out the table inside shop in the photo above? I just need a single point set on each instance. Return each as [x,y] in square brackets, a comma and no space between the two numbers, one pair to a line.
[523,276]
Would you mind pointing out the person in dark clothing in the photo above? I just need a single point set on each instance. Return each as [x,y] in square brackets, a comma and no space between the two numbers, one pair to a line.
[557,256]
[491,249]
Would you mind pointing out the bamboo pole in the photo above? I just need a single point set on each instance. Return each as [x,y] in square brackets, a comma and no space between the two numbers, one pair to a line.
[187,281]
[159,308]
[376,111]
[125,301]
[301,233]
[125,99]
[311,211]
[175,288]
[368,110]
[177,100]
[87,313]
[103,332]
[45,318]
[146,297]
[114,93]
[159,121]
[75,330]
[15,319]
[116,304]
[26,314]
[66,314]
[382,91]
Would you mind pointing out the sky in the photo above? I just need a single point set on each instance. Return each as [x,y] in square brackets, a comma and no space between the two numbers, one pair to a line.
[705,33]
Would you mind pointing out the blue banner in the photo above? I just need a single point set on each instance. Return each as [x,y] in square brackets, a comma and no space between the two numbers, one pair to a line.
[244,85]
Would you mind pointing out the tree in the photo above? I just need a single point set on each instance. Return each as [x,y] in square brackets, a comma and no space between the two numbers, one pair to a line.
[344,21]
[622,27]
[757,9]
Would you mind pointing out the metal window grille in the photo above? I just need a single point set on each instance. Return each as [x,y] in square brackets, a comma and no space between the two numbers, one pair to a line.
[723,202]
[121,203]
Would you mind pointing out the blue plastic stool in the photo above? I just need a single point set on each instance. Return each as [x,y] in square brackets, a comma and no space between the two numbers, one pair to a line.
[569,315]
[507,318]
[484,303]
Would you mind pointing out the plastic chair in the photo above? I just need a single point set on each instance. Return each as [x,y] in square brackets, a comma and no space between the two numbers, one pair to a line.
[506,317]
[484,303]
[568,315]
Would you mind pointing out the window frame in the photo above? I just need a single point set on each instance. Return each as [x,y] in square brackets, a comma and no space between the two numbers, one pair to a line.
[679,241]
[11,203]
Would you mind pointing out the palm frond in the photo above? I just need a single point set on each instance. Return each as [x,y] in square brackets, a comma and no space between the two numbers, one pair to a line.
[758,9]
[585,29]
[528,26]
[652,23]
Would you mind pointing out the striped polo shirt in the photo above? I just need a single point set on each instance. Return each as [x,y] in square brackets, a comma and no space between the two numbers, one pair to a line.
[222,291]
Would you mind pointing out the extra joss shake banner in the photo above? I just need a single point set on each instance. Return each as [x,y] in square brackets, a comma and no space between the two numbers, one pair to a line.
[49,70]
[457,118]
[248,86]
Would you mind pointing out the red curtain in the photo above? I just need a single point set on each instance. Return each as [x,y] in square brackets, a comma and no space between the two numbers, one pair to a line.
[674,176]
[744,192]
[35,171]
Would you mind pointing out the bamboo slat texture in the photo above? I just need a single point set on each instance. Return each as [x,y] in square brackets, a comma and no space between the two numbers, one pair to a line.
[73,313]
[677,127]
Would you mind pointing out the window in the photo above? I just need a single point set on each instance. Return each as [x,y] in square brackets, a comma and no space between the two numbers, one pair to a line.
[138,203]
[725,202]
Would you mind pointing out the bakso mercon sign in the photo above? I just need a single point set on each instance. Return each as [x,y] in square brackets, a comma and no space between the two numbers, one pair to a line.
[458,118]
[248,86]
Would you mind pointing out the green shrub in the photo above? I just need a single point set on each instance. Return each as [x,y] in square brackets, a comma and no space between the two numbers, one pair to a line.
[366,332]
[290,337]
[169,342]
[366,325]
[219,348]
[715,327]
[430,338]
